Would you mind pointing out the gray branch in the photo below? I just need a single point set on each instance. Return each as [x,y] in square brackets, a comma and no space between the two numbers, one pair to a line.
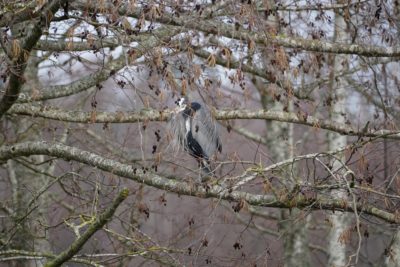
[16,79]
[155,115]
[93,228]
[219,28]
[62,45]
[149,42]
[151,179]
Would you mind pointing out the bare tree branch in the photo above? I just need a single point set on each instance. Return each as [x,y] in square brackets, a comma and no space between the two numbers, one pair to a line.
[14,254]
[308,7]
[24,13]
[16,79]
[155,39]
[61,45]
[291,42]
[102,219]
[163,115]
[220,28]
[183,188]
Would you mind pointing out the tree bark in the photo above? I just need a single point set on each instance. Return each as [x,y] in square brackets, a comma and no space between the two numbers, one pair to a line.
[392,255]
[339,221]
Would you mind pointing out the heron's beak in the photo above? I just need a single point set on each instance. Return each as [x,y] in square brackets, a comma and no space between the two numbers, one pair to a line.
[179,109]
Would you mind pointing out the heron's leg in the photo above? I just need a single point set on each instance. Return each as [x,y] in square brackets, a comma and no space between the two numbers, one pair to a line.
[204,172]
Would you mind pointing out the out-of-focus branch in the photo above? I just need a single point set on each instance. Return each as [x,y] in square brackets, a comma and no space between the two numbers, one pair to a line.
[94,227]
[183,188]
[250,135]
[72,88]
[18,14]
[308,7]
[234,64]
[62,45]
[15,254]
[155,39]
[69,45]
[219,28]
[370,98]
[216,27]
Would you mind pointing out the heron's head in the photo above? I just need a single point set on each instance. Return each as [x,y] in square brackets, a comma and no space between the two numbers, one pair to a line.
[182,103]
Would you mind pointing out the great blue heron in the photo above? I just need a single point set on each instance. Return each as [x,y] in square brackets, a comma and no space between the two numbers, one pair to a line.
[194,128]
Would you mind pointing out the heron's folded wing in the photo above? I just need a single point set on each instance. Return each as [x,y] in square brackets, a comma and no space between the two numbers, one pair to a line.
[205,131]
[194,147]
[177,130]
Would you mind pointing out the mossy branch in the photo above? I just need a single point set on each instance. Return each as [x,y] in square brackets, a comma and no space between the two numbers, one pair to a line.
[183,188]
[93,228]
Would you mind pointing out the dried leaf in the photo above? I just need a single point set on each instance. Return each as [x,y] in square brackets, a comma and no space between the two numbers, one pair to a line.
[93,116]
[190,53]
[196,71]
[183,86]
[281,59]
[211,60]
[15,48]
[345,237]
[126,24]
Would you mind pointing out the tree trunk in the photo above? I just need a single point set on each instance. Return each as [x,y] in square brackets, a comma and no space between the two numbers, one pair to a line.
[339,220]
[280,143]
[392,255]
[29,217]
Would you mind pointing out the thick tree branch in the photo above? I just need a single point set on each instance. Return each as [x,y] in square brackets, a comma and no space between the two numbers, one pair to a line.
[72,88]
[159,36]
[84,45]
[16,79]
[155,115]
[124,170]
[216,27]
[219,28]
[14,254]
[25,12]
[62,45]
[102,219]
[235,64]
[308,7]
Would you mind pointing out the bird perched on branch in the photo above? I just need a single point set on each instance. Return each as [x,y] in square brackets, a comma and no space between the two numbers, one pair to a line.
[194,128]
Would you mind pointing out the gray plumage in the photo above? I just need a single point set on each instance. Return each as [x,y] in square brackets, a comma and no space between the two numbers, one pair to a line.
[193,128]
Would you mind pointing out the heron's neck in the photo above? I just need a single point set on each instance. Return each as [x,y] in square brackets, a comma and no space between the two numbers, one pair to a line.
[187,125]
